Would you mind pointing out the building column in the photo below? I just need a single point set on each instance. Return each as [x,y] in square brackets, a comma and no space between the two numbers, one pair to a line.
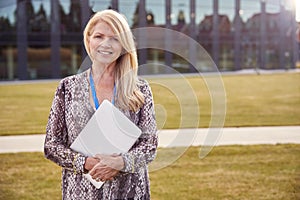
[55,39]
[215,33]
[115,4]
[295,43]
[85,15]
[237,36]
[22,42]
[263,35]
[168,38]
[281,39]
[192,33]
[142,38]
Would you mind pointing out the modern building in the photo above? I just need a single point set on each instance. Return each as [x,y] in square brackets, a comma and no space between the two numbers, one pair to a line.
[43,39]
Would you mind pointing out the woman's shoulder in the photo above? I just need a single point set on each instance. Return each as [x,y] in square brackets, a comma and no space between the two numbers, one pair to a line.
[143,83]
[144,86]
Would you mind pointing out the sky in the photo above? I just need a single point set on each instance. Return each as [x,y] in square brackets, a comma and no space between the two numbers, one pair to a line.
[157,7]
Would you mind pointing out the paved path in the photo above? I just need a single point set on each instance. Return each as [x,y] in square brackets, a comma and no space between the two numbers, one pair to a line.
[182,137]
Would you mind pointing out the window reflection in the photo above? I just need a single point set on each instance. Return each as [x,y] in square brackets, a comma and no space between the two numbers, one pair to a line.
[156,16]
[180,12]
[204,13]
[226,16]
[98,5]
[280,32]
[156,12]
[129,8]
[180,19]
[7,39]
[250,38]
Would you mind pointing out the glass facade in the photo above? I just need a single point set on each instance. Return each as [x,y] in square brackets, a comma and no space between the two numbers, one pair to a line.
[8,50]
[43,39]
[155,16]
[250,39]
[129,8]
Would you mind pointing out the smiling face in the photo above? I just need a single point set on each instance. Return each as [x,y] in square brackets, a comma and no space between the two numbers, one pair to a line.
[104,45]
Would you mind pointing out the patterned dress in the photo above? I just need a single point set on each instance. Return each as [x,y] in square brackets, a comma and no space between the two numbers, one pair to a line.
[71,110]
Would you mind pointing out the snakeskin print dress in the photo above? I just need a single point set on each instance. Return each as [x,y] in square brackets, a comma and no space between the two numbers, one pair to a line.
[71,110]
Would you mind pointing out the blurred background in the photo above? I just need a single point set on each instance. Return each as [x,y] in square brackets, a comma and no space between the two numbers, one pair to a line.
[41,39]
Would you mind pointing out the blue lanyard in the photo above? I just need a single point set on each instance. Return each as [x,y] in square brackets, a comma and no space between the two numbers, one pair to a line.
[95,95]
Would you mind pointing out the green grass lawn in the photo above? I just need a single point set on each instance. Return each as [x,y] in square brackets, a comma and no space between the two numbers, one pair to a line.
[252,100]
[25,108]
[228,172]
[255,172]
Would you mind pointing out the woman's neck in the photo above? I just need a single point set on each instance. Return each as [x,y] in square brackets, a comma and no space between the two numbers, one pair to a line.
[104,71]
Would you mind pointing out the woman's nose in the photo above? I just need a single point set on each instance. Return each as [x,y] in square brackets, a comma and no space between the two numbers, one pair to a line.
[106,42]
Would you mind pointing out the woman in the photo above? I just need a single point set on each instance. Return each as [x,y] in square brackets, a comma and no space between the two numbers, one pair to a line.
[110,45]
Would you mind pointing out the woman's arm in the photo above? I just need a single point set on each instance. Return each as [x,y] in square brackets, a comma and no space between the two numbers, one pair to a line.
[55,146]
[144,150]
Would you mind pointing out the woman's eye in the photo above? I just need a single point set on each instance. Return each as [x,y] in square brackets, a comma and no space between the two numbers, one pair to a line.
[98,36]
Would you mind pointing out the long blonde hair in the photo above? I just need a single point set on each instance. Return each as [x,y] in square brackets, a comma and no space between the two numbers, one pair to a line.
[127,82]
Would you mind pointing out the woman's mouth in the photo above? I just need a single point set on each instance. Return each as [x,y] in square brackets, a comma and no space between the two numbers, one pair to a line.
[104,52]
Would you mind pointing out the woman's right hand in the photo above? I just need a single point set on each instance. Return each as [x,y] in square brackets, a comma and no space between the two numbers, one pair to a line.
[90,162]
[108,167]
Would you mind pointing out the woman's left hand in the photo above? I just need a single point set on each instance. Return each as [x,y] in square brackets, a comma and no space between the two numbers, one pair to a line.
[108,167]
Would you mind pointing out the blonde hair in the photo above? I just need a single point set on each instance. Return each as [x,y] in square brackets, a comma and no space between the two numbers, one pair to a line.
[127,82]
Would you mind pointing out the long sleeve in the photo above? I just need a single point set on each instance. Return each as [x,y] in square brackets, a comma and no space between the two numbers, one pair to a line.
[144,150]
[56,141]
